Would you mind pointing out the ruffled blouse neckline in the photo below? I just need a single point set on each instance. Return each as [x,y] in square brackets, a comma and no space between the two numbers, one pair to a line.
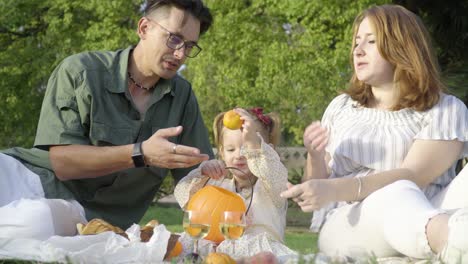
[382,116]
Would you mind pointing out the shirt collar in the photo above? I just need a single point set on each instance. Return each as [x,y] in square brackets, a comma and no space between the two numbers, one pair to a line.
[121,78]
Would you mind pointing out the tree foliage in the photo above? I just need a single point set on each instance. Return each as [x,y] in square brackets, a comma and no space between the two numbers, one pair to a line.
[288,56]
[448,24]
[35,36]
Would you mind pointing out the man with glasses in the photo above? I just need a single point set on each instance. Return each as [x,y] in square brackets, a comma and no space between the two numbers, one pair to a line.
[112,125]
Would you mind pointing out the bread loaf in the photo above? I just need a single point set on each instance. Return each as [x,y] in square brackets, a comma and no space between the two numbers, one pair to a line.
[97,226]
[147,230]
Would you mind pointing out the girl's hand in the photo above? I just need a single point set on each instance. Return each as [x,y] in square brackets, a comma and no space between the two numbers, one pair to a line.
[249,129]
[312,194]
[316,139]
[214,169]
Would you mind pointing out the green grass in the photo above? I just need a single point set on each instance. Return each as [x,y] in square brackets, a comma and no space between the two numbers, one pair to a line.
[168,214]
[297,236]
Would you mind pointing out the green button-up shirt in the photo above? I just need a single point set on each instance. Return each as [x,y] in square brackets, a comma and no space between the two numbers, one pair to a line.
[87,102]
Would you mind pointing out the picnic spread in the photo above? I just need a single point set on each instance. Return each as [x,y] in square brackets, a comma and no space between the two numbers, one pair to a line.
[97,242]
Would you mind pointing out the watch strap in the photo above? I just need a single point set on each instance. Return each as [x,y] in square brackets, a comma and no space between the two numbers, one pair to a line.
[137,155]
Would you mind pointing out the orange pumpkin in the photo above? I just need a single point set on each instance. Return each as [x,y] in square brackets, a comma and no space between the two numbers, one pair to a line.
[214,200]
[219,258]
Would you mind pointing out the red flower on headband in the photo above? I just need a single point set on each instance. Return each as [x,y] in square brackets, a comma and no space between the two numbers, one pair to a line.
[258,111]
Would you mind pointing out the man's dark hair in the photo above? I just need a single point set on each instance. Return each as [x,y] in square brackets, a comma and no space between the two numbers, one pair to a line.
[193,7]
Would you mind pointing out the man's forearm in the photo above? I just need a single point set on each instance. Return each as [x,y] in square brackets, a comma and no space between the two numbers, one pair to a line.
[79,161]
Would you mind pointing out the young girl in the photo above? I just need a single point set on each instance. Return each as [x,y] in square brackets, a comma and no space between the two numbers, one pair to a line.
[390,144]
[250,150]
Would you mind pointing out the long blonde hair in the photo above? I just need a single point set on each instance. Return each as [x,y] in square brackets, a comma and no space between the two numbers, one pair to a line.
[271,134]
[402,40]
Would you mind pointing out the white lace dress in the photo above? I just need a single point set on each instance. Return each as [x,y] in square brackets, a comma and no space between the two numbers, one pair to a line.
[266,218]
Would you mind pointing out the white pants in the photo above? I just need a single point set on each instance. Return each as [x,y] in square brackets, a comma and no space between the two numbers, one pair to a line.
[25,213]
[391,221]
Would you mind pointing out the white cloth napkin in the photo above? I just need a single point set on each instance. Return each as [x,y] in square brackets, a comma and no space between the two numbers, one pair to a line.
[106,247]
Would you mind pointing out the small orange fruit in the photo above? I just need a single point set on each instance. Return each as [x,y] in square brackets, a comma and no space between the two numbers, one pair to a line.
[232,120]
[175,251]
[219,258]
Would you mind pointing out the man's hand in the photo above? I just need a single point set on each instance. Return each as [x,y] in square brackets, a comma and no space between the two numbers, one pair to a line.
[160,152]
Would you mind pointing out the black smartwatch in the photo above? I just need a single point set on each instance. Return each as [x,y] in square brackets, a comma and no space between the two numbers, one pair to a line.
[137,156]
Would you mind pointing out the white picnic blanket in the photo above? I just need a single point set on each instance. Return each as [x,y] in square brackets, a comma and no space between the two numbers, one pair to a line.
[106,247]
[111,248]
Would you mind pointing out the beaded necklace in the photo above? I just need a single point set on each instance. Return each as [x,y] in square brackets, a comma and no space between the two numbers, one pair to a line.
[135,83]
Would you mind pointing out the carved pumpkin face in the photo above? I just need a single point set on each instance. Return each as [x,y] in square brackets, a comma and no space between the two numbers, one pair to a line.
[214,201]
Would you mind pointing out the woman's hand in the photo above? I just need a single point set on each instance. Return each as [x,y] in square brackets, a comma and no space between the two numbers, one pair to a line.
[249,129]
[316,139]
[214,169]
[312,194]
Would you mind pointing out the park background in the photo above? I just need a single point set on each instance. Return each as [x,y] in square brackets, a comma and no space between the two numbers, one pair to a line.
[288,56]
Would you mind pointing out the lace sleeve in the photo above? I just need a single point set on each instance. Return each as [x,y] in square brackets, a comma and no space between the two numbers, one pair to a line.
[189,185]
[265,163]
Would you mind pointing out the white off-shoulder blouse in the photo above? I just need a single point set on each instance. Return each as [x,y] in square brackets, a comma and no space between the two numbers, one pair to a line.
[365,140]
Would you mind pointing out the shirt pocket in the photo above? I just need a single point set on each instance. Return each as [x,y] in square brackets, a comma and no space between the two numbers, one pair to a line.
[68,114]
[102,134]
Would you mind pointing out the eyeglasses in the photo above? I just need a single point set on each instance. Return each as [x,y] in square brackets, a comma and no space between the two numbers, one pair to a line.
[176,42]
